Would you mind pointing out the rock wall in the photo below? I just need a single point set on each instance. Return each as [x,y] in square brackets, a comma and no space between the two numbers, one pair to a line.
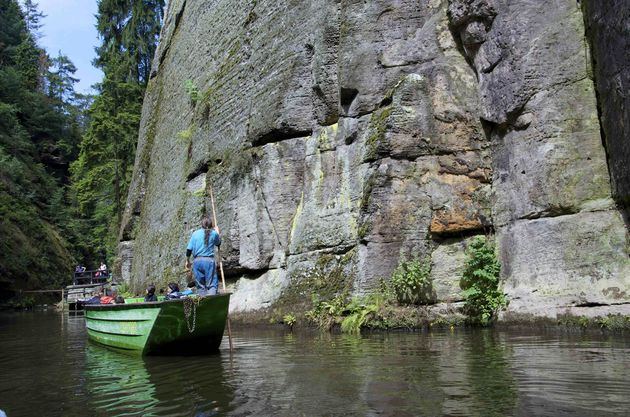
[348,135]
[608,32]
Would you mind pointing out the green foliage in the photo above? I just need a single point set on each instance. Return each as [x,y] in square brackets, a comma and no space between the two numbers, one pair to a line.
[379,309]
[124,290]
[446,322]
[49,223]
[129,31]
[192,91]
[60,79]
[359,311]
[326,313]
[378,128]
[614,322]
[32,17]
[411,282]
[39,134]
[185,135]
[102,172]
[480,281]
[22,302]
[610,322]
[289,319]
[352,314]
[329,278]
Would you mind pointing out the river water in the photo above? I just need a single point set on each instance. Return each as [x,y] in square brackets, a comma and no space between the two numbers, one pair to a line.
[47,368]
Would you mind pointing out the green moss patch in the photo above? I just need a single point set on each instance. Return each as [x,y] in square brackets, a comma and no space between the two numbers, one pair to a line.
[377,128]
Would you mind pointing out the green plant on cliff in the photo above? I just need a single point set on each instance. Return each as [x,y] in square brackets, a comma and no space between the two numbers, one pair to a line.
[411,282]
[326,313]
[480,281]
[192,91]
[378,128]
[185,135]
[351,314]
[289,319]
[359,312]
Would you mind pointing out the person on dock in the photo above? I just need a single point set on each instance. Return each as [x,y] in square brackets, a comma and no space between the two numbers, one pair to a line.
[102,270]
[150,294]
[201,248]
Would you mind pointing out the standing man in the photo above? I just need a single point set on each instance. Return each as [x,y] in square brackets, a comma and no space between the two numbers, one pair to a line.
[201,247]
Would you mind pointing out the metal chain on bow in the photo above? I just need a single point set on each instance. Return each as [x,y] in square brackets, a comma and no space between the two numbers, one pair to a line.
[190,309]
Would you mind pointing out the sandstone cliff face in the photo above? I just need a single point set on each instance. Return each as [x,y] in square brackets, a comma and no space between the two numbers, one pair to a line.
[349,134]
[608,30]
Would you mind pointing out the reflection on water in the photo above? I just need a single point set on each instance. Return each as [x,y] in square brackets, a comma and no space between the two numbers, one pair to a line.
[492,385]
[49,369]
[120,384]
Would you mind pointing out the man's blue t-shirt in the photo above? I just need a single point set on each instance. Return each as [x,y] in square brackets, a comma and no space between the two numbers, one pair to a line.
[197,243]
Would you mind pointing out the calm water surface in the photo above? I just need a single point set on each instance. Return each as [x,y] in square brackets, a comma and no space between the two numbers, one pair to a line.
[49,369]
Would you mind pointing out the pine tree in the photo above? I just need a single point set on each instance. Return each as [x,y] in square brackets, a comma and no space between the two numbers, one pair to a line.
[61,79]
[38,137]
[33,17]
[129,32]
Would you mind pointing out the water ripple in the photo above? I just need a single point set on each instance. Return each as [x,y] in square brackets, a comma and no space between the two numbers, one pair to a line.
[49,369]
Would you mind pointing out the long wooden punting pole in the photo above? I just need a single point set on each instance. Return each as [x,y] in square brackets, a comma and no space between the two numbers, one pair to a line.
[214,219]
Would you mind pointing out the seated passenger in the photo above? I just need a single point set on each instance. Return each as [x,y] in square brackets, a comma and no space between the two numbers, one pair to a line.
[109,299]
[150,294]
[172,291]
[95,299]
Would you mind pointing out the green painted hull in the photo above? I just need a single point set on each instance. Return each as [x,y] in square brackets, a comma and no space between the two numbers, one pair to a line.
[160,327]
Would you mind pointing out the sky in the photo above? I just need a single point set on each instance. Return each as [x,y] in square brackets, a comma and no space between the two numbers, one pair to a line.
[69,27]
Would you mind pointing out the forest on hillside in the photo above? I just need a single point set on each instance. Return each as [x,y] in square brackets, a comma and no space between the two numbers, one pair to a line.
[66,158]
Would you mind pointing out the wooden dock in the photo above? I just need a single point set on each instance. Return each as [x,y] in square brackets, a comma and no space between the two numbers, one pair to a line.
[74,293]
[85,284]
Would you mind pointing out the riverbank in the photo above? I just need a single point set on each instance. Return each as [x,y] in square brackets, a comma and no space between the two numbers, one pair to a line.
[382,316]
[413,318]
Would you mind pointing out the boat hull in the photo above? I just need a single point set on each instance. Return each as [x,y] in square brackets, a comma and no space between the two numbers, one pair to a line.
[175,327]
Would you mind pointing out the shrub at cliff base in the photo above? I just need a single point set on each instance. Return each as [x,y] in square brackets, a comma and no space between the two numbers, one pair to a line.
[480,282]
[394,305]
[411,282]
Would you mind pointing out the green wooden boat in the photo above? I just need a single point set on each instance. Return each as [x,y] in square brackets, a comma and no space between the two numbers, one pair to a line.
[185,326]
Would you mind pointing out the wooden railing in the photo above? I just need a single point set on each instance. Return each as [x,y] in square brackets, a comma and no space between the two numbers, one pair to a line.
[91,277]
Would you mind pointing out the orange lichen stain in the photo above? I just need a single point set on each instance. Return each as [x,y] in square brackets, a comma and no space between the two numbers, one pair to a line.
[453,221]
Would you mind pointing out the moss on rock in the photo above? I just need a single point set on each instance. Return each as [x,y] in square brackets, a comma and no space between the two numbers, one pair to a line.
[377,129]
